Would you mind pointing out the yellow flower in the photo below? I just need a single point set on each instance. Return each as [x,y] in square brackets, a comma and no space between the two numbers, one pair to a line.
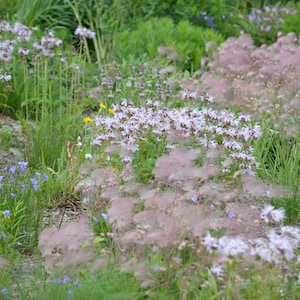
[102,106]
[87,120]
[111,111]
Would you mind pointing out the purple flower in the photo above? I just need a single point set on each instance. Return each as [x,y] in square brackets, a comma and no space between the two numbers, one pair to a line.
[12,195]
[66,279]
[104,216]
[6,213]
[4,291]
[59,281]
[1,178]
[37,175]
[45,178]
[24,186]
[84,33]
[195,199]
[22,166]
[231,215]
[11,169]
[212,207]
[35,184]
[95,220]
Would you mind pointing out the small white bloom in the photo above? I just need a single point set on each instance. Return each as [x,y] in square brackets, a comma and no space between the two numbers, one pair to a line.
[88,156]
[127,159]
[270,214]
[5,77]
[84,33]
[217,270]
[210,243]
[231,247]
[189,95]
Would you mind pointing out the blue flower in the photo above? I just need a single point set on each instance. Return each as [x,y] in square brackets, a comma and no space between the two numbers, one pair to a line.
[212,206]
[59,281]
[12,195]
[66,279]
[22,165]
[4,291]
[95,220]
[231,215]
[24,186]
[1,178]
[6,213]
[37,175]
[45,178]
[104,216]
[35,184]
[195,199]
[11,169]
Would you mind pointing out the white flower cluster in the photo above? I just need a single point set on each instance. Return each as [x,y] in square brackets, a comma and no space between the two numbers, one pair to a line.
[188,95]
[276,248]
[271,215]
[5,77]
[47,44]
[128,125]
[22,31]
[84,33]
[44,46]
[225,246]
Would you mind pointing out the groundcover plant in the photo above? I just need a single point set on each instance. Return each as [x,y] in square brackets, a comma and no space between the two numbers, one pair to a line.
[141,180]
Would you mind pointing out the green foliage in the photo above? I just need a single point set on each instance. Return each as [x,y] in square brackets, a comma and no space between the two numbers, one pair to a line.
[222,16]
[279,159]
[103,17]
[8,9]
[292,22]
[47,141]
[185,42]
[278,156]
[54,14]
[269,21]
[144,159]
[21,194]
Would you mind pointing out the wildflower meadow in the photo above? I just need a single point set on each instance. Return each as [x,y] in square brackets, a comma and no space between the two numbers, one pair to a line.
[149,150]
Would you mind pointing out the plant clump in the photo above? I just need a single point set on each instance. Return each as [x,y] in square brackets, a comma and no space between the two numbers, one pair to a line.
[261,80]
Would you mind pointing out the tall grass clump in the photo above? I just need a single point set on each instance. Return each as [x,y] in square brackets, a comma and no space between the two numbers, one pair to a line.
[46,86]
[102,17]
[279,158]
[54,14]
[21,207]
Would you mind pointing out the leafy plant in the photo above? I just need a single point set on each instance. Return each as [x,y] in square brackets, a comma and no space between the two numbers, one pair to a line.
[54,14]
[144,159]
[184,42]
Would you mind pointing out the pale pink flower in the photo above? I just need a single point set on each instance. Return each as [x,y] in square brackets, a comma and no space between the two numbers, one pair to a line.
[210,243]
[84,33]
[217,270]
[270,214]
